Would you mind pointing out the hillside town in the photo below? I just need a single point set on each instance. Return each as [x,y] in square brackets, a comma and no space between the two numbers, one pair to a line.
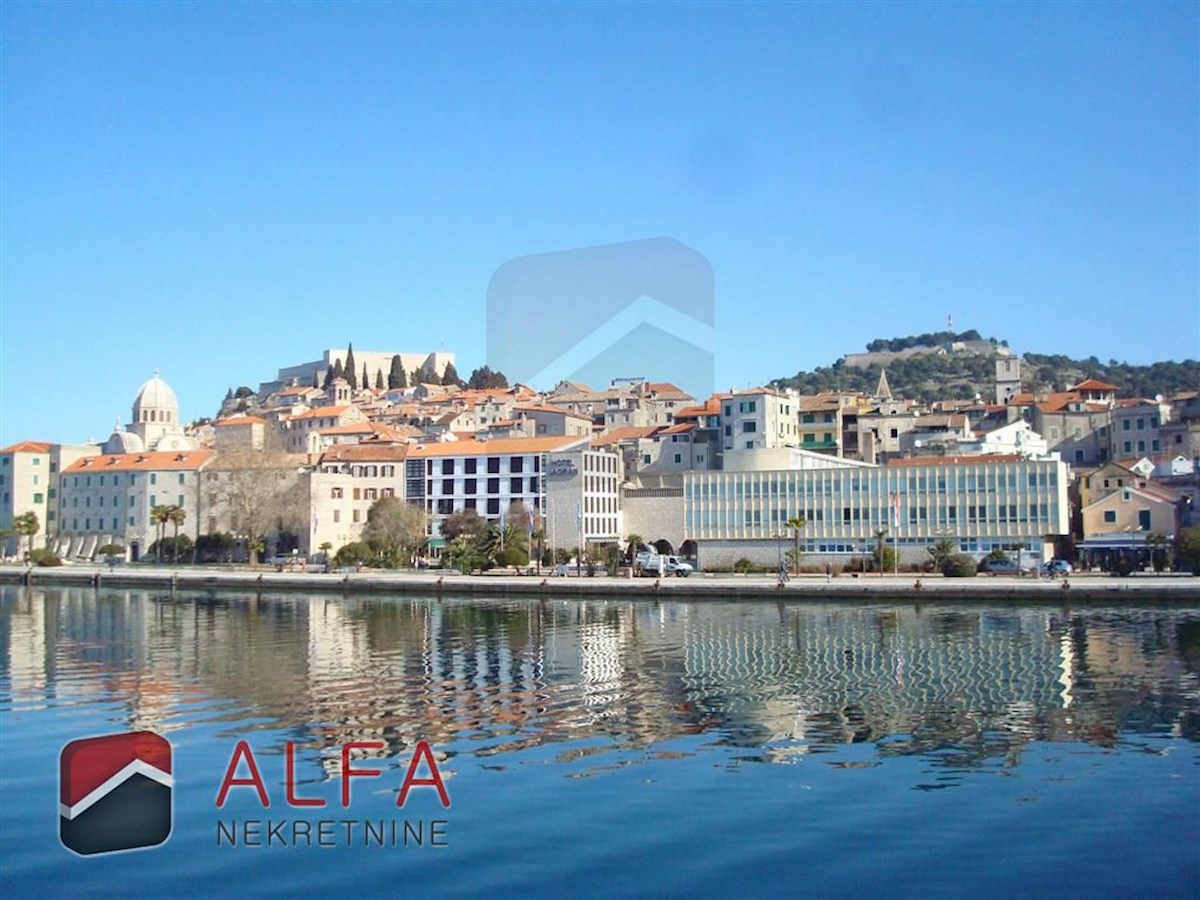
[334,458]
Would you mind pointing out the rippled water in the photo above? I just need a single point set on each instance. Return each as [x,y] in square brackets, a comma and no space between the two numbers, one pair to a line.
[618,748]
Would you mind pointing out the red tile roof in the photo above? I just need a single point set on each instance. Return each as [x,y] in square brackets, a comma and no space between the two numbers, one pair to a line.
[625,433]
[368,452]
[239,420]
[979,460]
[138,462]
[28,447]
[496,447]
[1093,384]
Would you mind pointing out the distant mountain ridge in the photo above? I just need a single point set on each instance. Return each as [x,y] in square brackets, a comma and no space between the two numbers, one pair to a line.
[948,366]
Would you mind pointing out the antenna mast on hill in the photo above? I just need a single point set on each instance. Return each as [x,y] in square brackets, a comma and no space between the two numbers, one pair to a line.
[949,321]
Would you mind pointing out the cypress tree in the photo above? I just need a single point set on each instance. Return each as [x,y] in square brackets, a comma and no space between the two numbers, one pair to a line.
[338,371]
[349,374]
[450,375]
[366,380]
[229,394]
[396,377]
[402,379]
[330,374]
[317,379]
[379,379]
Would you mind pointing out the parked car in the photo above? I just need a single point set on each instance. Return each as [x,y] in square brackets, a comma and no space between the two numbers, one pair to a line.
[1000,567]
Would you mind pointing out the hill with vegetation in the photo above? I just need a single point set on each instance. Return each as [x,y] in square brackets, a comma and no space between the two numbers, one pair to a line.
[942,374]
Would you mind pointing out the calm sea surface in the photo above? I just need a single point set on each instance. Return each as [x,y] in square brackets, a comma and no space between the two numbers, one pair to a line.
[618,748]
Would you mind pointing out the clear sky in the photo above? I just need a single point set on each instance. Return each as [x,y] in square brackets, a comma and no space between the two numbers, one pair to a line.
[217,190]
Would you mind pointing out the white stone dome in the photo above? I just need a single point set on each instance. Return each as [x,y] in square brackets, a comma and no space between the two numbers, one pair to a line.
[155,395]
[123,442]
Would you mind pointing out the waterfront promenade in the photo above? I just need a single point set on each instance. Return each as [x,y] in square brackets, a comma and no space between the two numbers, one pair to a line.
[1098,586]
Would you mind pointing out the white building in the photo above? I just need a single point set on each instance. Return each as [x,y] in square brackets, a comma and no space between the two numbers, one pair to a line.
[984,502]
[345,483]
[560,478]
[107,499]
[375,361]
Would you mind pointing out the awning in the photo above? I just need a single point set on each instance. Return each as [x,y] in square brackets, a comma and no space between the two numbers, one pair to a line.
[436,543]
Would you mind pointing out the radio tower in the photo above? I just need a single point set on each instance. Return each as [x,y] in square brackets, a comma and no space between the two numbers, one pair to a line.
[949,321]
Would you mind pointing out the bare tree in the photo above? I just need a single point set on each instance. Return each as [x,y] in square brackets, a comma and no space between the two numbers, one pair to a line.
[395,529]
[259,492]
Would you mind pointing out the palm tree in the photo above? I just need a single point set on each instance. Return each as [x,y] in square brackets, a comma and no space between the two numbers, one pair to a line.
[159,515]
[879,536]
[176,515]
[796,523]
[635,542]
[26,525]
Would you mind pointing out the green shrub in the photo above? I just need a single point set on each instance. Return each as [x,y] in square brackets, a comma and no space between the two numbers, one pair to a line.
[744,567]
[958,565]
[43,557]
[110,550]
[356,553]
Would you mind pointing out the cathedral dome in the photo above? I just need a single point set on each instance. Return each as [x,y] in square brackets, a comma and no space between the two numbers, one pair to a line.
[155,402]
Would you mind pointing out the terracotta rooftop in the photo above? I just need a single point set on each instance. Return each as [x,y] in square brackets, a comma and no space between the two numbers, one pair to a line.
[979,460]
[365,452]
[137,462]
[239,420]
[1092,384]
[28,447]
[625,433]
[497,447]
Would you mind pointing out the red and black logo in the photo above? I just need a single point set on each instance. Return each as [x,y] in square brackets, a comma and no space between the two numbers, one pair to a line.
[115,792]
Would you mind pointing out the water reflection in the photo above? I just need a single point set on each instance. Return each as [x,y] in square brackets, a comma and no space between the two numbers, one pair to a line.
[962,686]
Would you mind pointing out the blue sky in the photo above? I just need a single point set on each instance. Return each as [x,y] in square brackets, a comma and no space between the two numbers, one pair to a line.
[217,190]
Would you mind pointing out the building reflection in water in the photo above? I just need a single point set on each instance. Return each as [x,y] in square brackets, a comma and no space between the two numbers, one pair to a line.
[961,684]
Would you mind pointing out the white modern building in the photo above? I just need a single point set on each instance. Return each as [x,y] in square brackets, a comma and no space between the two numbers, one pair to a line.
[559,478]
[983,502]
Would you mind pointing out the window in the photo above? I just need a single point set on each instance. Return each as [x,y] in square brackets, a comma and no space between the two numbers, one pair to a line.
[37,498]
[357,493]
[493,507]
[493,465]
[469,466]
[153,478]
[728,430]
[895,433]
[493,486]
[678,458]
[533,485]
[334,494]
[445,507]
[749,445]
[1110,516]
[516,485]
[645,459]
[516,464]
[749,427]
[447,485]
[181,478]
[355,515]
[447,467]
[469,486]
[337,515]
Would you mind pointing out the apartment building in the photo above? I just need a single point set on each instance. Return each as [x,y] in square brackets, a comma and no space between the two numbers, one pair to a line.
[107,499]
[344,484]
